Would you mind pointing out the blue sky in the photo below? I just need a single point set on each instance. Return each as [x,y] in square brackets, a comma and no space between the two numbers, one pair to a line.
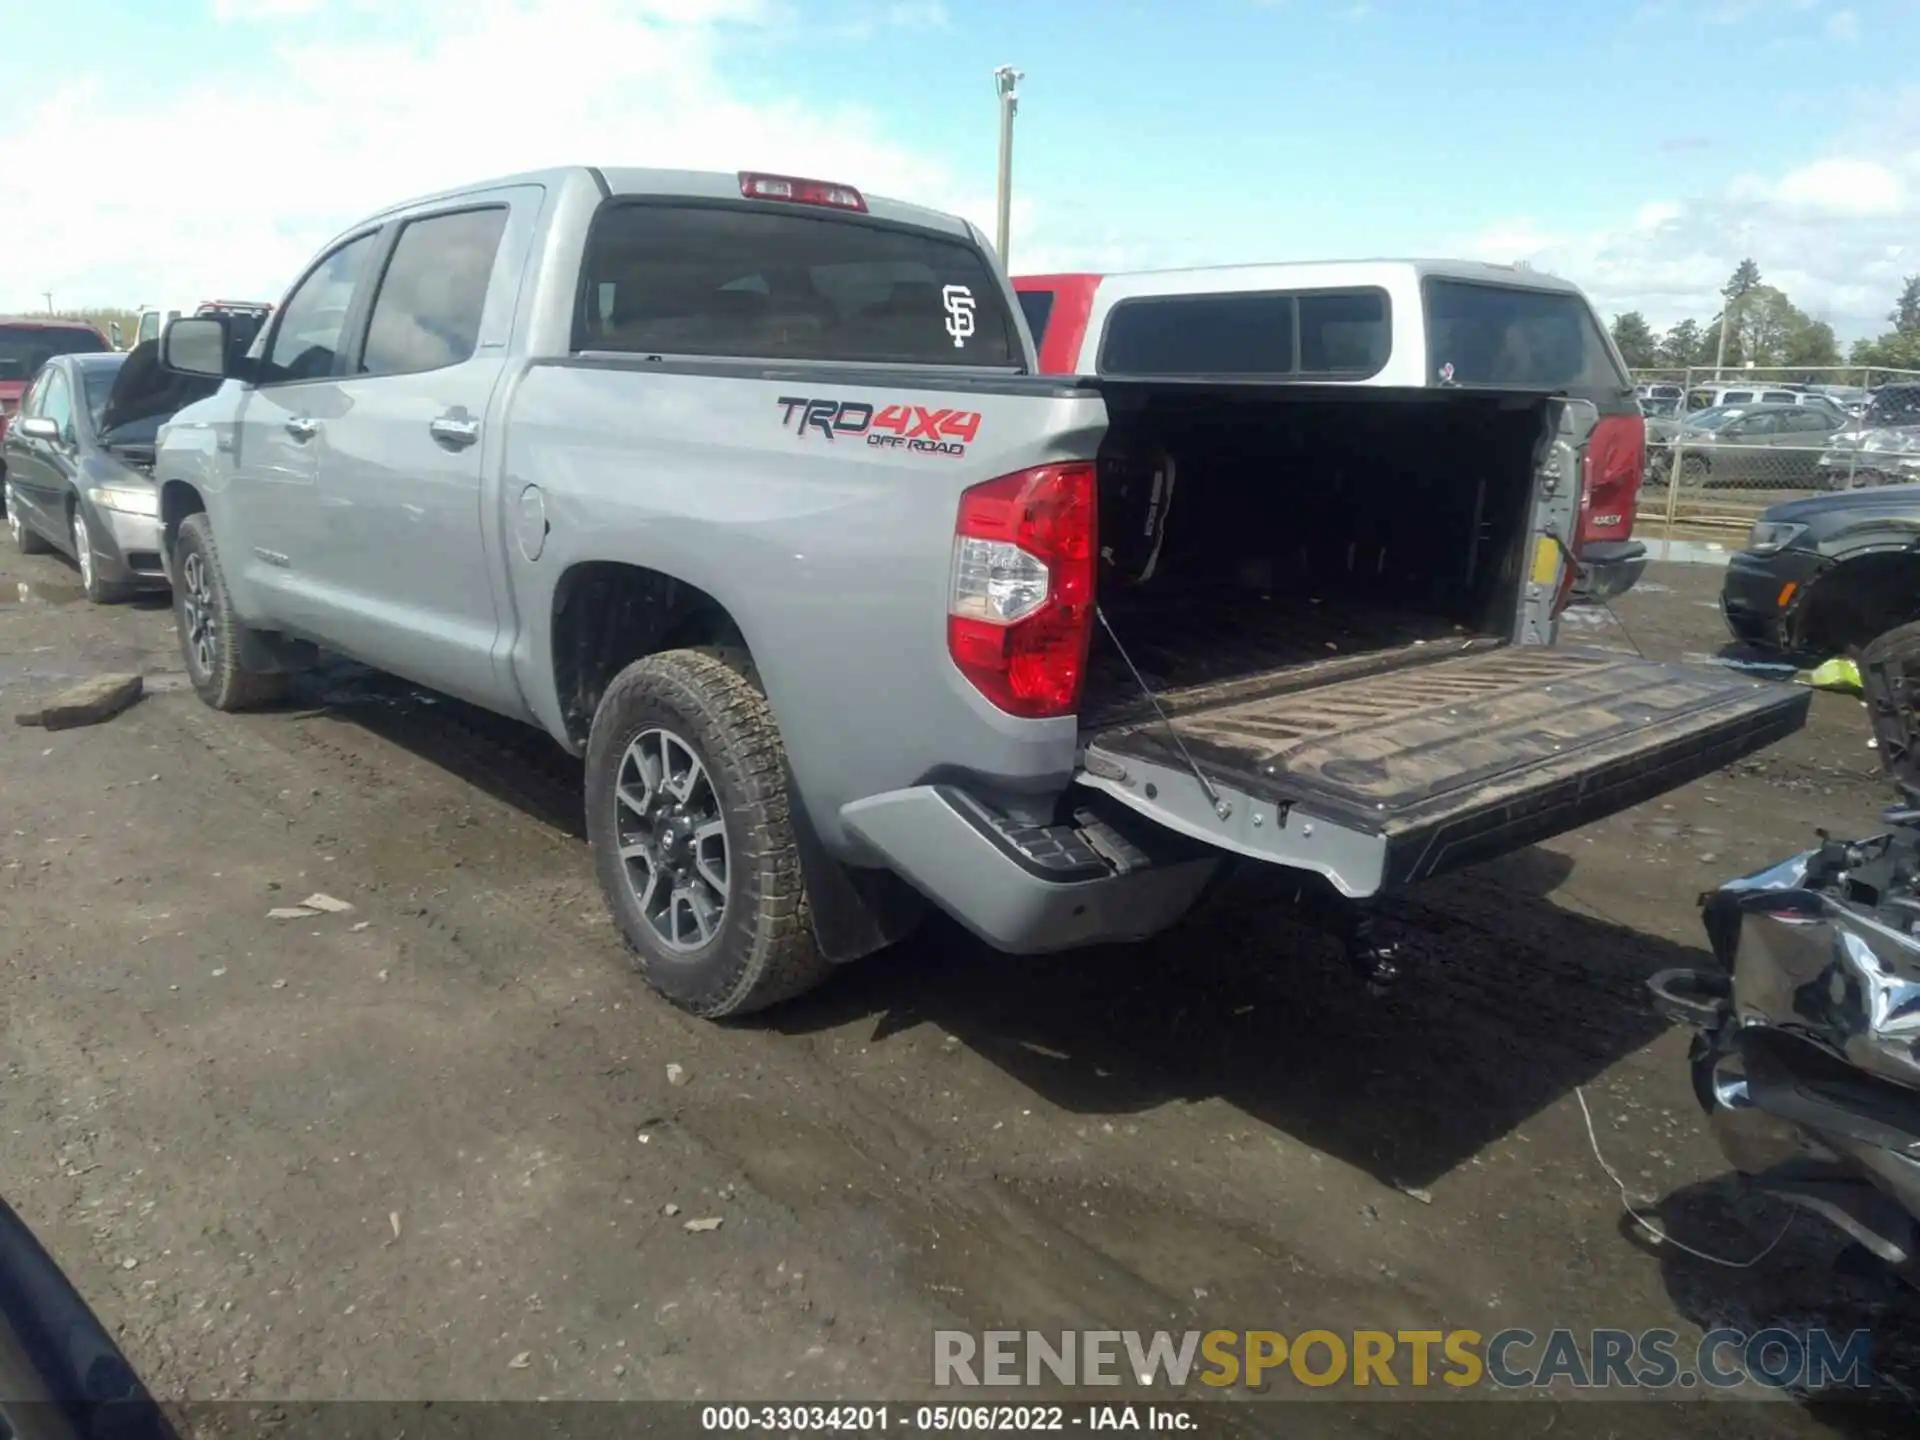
[1639,151]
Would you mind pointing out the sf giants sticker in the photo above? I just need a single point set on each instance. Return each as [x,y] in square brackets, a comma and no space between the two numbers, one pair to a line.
[958,300]
[922,429]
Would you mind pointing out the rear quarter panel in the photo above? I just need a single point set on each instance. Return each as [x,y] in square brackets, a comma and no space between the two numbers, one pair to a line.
[830,554]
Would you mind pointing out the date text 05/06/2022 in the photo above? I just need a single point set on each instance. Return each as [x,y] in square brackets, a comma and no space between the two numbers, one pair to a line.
[943,1419]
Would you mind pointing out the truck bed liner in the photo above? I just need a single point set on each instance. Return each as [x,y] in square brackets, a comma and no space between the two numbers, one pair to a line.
[1452,761]
[1251,646]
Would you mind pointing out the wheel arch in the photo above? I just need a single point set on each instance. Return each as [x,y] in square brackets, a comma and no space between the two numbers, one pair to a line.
[605,615]
[178,500]
[1873,585]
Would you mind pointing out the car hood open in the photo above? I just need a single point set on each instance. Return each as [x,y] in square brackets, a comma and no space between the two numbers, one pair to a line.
[146,390]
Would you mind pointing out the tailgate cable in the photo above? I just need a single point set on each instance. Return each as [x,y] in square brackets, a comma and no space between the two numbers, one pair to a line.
[1220,806]
[1573,564]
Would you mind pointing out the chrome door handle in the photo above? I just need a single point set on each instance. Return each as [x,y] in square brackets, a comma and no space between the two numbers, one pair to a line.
[302,428]
[454,431]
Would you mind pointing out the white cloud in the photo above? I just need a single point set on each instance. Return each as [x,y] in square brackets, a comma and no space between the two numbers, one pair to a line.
[253,10]
[1844,25]
[1837,234]
[1841,186]
[244,177]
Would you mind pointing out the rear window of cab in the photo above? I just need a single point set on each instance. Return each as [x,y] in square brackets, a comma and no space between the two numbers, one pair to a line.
[1504,335]
[756,282]
[1305,334]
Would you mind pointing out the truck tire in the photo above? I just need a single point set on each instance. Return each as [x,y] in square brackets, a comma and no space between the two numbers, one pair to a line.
[686,793]
[209,633]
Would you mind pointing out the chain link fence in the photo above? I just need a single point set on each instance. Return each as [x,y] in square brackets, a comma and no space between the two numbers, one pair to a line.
[1725,444]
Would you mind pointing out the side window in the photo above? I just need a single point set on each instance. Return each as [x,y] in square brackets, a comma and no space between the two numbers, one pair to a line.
[56,404]
[1781,397]
[307,343]
[30,402]
[426,314]
[149,328]
[1737,397]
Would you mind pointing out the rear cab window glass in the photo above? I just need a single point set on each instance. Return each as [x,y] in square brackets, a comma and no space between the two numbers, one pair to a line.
[25,348]
[426,313]
[1344,334]
[740,280]
[1037,307]
[1480,334]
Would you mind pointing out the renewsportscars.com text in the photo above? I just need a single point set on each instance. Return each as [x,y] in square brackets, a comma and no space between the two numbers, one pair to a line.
[1512,1359]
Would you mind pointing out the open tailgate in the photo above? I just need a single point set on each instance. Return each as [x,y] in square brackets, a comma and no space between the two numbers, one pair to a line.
[1389,778]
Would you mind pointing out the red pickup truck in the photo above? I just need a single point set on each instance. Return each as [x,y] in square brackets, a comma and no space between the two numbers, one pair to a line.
[27,343]
[1406,324]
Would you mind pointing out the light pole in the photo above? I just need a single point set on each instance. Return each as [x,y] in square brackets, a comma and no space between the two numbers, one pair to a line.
[1004,80]
[47,295]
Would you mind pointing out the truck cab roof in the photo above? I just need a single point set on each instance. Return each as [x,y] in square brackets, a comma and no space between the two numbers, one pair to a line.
[640,183]
[1374,322]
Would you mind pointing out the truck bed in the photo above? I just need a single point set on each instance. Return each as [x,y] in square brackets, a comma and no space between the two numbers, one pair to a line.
[1251,647]
[1432,766]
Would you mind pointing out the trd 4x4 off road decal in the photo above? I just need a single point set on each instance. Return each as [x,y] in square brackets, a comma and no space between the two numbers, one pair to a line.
[924,429]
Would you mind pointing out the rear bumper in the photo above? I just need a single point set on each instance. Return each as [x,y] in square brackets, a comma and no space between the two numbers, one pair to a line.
[1608,568]
[1025,889]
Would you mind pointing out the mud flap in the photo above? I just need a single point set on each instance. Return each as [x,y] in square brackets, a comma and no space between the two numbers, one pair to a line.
[1386,779]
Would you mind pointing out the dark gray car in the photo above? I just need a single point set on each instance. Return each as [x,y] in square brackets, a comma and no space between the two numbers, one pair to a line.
[1768,447]
[79,463]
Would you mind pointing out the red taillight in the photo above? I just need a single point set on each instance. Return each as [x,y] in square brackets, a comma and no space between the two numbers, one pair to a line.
[1610,478]
[800,192]
[1020,607]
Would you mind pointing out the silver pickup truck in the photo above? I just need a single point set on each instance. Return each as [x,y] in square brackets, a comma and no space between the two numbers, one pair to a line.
[745,488]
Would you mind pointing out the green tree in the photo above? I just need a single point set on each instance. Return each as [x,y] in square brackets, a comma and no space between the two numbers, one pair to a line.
[1906,310]
[1746,276]
[1681,346]
[1635,338]
[1764,322]
[1897,350]
[1812,346]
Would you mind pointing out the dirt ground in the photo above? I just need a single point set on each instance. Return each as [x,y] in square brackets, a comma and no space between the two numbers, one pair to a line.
[430,1147]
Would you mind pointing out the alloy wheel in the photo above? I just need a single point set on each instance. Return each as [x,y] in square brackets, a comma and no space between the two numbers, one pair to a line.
[197,615]
[672,839]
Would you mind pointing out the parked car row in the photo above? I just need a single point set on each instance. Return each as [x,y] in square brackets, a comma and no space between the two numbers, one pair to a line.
[79,460]
[1791,446]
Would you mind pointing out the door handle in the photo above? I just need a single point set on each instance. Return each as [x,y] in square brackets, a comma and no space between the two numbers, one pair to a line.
[302,428]
[454,430]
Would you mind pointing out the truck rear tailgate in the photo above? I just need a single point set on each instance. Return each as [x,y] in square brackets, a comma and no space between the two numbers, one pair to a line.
[1385,779]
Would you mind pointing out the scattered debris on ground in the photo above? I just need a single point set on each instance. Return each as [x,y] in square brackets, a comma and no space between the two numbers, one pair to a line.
[315,904]
[88,703]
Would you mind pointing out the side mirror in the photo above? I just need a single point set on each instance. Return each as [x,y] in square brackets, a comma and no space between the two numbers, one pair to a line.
[195,345]
[37,427]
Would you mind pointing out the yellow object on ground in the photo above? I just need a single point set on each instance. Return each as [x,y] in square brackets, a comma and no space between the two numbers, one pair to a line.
[1839,673]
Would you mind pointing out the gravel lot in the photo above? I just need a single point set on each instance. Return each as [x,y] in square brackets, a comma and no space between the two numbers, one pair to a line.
[430,1147]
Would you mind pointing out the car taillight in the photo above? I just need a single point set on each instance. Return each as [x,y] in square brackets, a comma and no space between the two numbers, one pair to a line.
[1020,607]
[800,192]
[1610,478]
